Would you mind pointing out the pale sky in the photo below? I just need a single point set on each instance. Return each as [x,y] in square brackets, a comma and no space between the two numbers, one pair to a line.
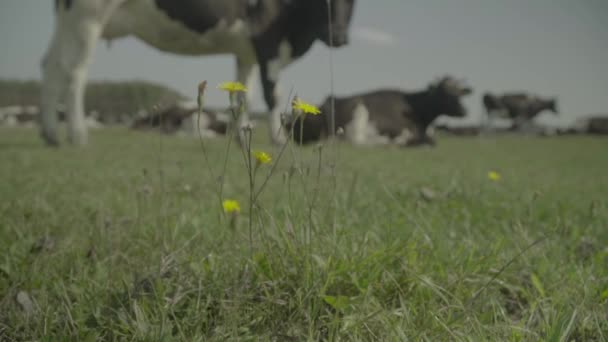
[550,47]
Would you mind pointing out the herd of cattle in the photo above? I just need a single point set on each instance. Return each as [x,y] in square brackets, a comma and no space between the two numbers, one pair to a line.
[385,116]
[262,34]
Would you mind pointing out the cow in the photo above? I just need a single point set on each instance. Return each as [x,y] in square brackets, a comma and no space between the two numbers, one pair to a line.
[384,116]
[27,116]
[264,34]
[592,124]
[184,118]
[520,108]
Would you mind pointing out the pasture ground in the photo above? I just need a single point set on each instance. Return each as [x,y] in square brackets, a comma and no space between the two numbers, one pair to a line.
[126,239]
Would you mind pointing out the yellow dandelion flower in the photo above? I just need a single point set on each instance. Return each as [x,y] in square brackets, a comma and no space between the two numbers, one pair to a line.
[233,87]
[262,157]
[231,206]
[306,108]
[494,176]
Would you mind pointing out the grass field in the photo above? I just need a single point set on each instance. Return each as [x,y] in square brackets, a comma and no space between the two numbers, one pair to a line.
[126,239]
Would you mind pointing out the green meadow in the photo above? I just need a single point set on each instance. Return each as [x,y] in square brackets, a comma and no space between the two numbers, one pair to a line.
[127,239]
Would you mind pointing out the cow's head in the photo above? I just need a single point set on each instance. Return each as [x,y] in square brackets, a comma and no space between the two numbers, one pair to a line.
[539,104]
[334,31]
[552,106]
[446,94]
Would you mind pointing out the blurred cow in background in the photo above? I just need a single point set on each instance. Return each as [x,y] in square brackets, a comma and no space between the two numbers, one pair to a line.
[385,116]
[520,108]
[183,118]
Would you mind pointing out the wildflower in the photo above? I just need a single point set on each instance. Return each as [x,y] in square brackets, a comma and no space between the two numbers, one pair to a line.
[231,206]
[494,176]
[262,157]
[304,107]
[233,87]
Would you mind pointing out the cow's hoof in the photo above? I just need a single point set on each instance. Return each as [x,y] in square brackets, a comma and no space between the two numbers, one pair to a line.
[278,140]
[78,140]
[241,140]
[50,139]
[243,135]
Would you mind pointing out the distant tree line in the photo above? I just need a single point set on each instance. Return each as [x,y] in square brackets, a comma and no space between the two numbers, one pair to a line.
[109,99]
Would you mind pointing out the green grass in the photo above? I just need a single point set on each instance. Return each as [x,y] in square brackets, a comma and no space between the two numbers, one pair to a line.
[137,247]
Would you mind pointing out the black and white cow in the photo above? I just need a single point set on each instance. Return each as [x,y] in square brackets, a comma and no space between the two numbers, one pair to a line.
[385,116]
[520,108]
[183,118]
[265,33]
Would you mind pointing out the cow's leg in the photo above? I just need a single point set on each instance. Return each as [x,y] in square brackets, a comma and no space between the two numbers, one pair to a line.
[278,134]
[486,121]
[246,69]
[523,124]
[65,66]
[53,87]
[490,121]
[429,134]
[518,119]
[277,130]
[356,130]
[86,38]
[269,73]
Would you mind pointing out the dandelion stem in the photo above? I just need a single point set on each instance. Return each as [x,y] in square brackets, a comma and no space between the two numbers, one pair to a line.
[280,154]
[251,173]
[226,154]
[301,127]
[204,149]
